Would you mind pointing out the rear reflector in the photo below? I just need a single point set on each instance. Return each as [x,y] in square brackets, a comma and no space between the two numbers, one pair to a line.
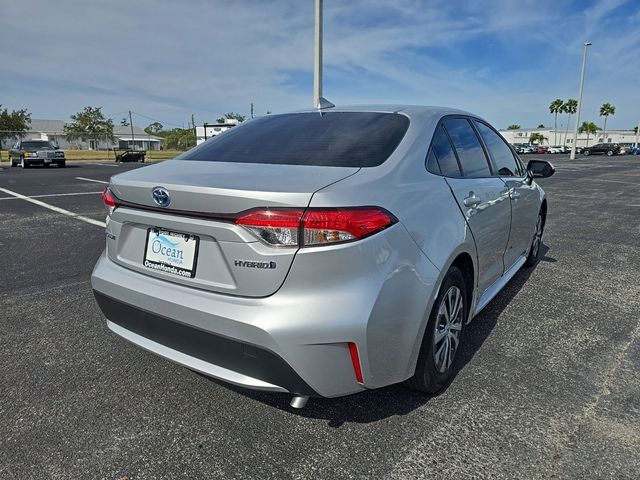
[316,226]
[355,360]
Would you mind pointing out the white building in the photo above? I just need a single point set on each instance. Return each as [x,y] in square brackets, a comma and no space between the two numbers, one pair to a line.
[53,131]
[522,135]
[207,130]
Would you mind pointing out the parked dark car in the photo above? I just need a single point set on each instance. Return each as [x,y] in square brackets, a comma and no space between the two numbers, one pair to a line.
[634,150]
[608,149]
[27,153]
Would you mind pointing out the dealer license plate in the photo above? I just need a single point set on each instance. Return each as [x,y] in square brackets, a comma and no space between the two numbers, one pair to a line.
[171,252]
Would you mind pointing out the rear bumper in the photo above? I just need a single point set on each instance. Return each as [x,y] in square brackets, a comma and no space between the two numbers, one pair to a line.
[233,361]
[375,293]
[42,161]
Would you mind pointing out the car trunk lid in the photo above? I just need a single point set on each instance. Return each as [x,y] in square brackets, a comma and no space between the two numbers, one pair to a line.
[204,199]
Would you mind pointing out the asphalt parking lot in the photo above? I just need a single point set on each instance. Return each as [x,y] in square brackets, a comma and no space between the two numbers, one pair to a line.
[549,386]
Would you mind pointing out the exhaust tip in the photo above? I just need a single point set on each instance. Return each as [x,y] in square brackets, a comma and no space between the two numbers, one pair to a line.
[299,401]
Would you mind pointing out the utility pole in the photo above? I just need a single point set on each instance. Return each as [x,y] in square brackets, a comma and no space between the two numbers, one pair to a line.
[575,130]
[317,66]
[637,133]
[193,124]
[251,109]
[133,140]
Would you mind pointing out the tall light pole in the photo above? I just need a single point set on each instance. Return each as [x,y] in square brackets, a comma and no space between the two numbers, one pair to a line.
[317,64]
[575,130]
[637,134]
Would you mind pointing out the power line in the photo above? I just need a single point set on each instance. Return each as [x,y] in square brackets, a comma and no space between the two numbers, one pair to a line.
[156,120]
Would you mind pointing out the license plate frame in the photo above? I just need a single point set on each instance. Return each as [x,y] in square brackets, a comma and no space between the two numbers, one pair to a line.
[162,261]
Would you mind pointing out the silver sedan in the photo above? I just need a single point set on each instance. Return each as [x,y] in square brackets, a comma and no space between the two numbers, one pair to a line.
[321,253]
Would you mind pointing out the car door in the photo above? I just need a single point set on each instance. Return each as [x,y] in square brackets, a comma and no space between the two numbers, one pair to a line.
[482,197]
[523,194]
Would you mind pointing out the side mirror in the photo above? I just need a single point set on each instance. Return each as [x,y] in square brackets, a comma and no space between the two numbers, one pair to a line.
[540,169]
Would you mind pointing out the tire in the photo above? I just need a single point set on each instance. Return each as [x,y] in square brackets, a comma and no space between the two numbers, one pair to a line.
[536,243]
[431,375]
[13,164]
[610,153]
[24,163]
[587,152]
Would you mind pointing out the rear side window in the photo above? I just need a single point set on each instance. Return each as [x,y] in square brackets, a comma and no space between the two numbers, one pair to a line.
[470,153]
[331,139]
[503,160]
[443,153]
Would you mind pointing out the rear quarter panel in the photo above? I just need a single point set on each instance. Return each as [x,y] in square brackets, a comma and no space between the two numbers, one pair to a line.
[427,210]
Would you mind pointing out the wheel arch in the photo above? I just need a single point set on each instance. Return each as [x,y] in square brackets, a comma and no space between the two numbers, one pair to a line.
[465,260]
[543,209]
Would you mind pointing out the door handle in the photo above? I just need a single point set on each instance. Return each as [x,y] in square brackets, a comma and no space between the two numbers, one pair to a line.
[515,195]
[472,200]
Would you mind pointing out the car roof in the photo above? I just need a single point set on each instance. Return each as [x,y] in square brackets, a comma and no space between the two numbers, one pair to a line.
[409,110]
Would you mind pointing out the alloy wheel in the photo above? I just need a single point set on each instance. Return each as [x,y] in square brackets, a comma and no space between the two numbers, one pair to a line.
[446,334]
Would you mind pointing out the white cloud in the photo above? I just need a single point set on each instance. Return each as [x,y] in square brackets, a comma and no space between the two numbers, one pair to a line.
[168,59]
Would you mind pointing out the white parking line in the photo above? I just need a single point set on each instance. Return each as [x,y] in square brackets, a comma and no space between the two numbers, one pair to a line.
[91,180]
[54,208]
[52,195]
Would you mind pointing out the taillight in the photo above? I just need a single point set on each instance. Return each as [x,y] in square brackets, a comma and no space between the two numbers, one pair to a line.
[109,200]
[316,226]
[341,225]
[275,227]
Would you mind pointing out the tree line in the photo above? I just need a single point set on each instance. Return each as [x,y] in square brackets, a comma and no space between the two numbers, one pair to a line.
[558,106]
[91,124]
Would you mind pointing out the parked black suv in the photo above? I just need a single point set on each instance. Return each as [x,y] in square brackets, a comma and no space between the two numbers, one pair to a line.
[608,149]
[35,152]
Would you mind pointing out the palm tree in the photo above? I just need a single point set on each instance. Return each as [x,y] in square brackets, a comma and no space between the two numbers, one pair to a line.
[555,108]
[589,128]
[605,110]
[537,137]
[570,107]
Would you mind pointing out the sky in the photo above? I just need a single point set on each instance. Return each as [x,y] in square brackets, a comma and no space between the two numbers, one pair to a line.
[504,60]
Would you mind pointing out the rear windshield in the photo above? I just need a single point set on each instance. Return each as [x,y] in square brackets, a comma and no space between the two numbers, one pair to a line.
[331,139]
[37,144]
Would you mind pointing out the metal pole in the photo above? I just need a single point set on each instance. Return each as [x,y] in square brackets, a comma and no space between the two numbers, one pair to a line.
[193,124]
[133,139]
[575,130]
[317,66]
[637,133]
